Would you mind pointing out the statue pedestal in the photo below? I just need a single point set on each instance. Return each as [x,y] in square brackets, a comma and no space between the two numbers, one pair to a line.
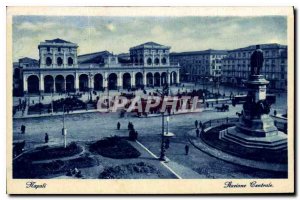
[256,129]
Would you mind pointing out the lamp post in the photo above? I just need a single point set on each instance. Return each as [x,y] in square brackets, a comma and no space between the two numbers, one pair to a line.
[64,130]
[163,149]
[165,91]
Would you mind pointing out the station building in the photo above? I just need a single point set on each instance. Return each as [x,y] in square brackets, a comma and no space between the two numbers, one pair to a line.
[59,69]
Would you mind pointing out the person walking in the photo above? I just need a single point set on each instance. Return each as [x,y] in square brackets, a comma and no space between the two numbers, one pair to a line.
[196,123]
[187,148]
[118,125]
[46,138]
[197,132]
[23,128]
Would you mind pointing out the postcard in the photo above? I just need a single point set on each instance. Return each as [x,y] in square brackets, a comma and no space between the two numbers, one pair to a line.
[150,100]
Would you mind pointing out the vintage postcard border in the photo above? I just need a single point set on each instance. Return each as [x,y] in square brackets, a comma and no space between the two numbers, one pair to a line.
[194,186]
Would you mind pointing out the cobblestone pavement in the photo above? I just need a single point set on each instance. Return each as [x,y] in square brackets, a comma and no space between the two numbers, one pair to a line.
[94,126]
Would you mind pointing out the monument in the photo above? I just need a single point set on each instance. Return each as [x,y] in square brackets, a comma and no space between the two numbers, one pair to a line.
[256,129]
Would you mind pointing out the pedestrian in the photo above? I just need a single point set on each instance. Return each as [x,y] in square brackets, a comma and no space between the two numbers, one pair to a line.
[128,126]
[197,132]
[187,148]
[275,112]
[200,124]
[196,124]
[46,138]
[23,128]
[167,143]
[118,125]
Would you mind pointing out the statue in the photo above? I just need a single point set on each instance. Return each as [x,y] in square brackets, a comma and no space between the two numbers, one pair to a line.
[257,60]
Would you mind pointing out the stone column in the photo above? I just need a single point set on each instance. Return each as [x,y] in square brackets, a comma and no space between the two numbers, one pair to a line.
[25,86]
[105,80]
[177,77]
[132,79]
[168,77]
[42,64]
[65,59]
[65,84]
[91,84]
[144,79]
[42,83]
[53,58]
[54,89]
[159,59]
[76,82]
[75,59]
[120,80]
[152,58]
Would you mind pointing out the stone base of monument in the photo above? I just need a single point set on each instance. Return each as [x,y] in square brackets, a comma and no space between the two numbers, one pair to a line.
[274,142]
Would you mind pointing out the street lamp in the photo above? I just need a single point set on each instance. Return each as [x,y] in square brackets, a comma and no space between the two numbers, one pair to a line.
[165,91]
[64,130]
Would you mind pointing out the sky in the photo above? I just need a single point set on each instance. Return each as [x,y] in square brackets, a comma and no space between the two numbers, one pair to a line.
[118,34]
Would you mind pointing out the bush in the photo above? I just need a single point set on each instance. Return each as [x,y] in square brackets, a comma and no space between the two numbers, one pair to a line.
[115,147]
[46,153]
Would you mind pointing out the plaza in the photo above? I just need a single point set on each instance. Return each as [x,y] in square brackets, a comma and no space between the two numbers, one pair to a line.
[197,164]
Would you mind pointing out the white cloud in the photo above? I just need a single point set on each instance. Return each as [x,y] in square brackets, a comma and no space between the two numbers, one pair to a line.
[35,26]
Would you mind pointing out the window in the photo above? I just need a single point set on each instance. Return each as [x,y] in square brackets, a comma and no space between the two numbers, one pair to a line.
[59,49]
[48,48]
[48,61]
[59,61]
[149,61]
[70,61]
[164,61]
[156,61]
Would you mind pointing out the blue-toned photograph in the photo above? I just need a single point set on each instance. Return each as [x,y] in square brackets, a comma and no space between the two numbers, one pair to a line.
[150,97]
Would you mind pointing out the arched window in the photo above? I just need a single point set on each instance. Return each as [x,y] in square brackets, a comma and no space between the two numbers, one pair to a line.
[156,61]
[149,61]
[163,61]
[48,61]
[70,61]
[141,61]
[59,61]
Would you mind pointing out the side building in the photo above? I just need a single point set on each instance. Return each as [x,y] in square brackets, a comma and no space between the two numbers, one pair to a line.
[60,69]
[196,65]
[236,66]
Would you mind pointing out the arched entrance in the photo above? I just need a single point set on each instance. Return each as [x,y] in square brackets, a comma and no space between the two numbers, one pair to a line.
[112,81]
[59,83]
[139,80]
[98,82]
[48,84]
[126,81]
[83,82]
[33,84]
[163,78]
[173,78]
[70,83]
[149,79]
[157,79]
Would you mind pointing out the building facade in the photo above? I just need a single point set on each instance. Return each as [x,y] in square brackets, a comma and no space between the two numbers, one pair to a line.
[199,64]
[60,69]
[236,66]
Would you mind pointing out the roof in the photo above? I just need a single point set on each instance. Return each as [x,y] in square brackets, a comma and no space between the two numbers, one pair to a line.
[96,57]
[204,52]
[57,40]
[262,46]
[28,59]
[150,45]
